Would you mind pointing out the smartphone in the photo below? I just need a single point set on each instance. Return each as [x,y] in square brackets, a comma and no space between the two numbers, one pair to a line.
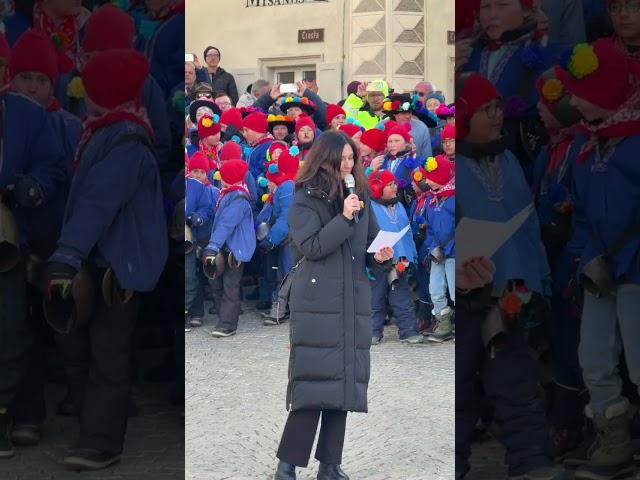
[288,88]
[188,57]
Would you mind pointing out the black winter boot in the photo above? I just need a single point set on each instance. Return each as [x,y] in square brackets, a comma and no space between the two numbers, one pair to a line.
[285,471]
[328,471]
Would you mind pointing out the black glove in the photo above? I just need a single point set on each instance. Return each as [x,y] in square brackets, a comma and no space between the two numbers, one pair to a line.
[194,220]
[209,263]
[27,192]
[58,278]
[265,245]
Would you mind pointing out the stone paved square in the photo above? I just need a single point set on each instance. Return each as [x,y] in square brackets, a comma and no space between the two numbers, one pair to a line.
[235,407]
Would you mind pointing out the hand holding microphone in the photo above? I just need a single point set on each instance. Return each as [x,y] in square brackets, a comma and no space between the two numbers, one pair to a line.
[352,202]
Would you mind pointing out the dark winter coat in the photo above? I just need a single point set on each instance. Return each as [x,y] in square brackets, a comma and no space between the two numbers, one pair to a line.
[330,305]
[223,81]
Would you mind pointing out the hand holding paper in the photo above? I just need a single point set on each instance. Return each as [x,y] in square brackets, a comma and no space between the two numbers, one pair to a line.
[386,239]
[483,238]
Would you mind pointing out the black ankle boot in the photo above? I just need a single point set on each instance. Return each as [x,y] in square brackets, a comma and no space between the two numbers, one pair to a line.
[285,471]
[329,471]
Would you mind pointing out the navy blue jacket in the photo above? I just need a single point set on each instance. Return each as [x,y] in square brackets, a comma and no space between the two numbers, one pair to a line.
[441,221]
[199,205]
[32,147]
[115,214]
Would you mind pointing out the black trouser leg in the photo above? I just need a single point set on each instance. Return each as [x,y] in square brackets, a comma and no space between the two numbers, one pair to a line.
[331,438]
[297,437]
[106,399]
[229,306]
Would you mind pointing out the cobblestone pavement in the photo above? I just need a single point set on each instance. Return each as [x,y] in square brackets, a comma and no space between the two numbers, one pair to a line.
[235,408]
[154,447]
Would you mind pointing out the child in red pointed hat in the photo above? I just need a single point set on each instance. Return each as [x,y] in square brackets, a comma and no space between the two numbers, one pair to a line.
[372,145]
[336,116]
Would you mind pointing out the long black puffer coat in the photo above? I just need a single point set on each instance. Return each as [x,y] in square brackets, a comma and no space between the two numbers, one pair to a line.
[330,304]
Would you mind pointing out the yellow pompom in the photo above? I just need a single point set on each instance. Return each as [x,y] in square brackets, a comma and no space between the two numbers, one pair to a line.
[216,176]
[431,164]
[207,122]
[265,197]
[387,106]
[417,176]
[75,89]
[552,89]
[584,61]
[271,118]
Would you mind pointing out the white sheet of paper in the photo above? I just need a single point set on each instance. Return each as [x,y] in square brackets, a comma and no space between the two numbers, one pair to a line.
[386,239]
[482,238]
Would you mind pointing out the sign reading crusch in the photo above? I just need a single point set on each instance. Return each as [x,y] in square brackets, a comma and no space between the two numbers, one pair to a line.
[273,3]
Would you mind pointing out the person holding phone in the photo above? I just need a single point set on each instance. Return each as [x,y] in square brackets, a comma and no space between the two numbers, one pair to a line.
[330,305]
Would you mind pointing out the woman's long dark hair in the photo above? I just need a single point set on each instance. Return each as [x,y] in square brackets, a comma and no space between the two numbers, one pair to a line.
[321,167]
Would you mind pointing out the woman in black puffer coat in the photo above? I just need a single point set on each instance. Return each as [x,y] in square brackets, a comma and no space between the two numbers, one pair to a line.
[330,306]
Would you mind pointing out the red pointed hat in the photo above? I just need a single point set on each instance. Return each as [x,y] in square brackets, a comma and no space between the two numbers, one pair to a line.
[399,129]
[34,52]
[438,169]
[350,129]
[257,121]
[230,151]
[105,83]
[334,110]
[232,117]
[108,27]
[373,138]
[448,132]
[199,161]
[233,171]
[305,121]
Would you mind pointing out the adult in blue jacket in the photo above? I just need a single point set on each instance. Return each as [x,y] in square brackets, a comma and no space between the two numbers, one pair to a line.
[32,174]
[114,224]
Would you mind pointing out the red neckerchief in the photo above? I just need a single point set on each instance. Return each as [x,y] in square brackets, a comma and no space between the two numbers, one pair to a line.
[211,153]
[448,190]
[64,35]
[232,188]
[93,124]
[623,123]
[54,105]
[559,143]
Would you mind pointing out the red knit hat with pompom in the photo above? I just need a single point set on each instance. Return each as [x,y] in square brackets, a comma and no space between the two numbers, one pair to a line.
[285,169]
[305,121]
[207,126]
[34,52]
[448,132]
[350,129]
[438,169]
[373,138]
[232,117]
[399,130]
[334,110]
[378,180]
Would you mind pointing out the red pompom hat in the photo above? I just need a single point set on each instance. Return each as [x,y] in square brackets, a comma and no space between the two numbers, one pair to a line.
[286,168]
[600,74]
[473,91]
[334,110]
[373,138]
[438,169]
[207,127]
[105,83]
[276,146]
[199,161]
[34,52]
[232,117]
[305,121]
[108,27]
[257,121]
[378,180]
[230,151]
[350,129]
[233,171]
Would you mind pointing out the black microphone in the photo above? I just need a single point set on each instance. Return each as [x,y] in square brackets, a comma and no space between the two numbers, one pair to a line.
[350,183]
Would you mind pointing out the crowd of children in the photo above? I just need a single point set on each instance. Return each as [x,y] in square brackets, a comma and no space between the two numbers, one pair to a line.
[410,187]
[551,129]
[88,107]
